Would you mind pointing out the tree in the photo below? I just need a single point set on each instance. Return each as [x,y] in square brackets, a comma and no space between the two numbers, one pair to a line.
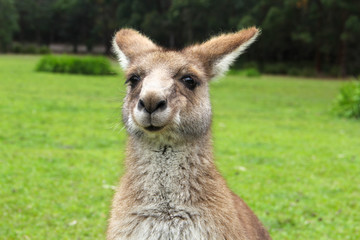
[8,23]
[75,20]
[105,21]
[35,20]
[319,33]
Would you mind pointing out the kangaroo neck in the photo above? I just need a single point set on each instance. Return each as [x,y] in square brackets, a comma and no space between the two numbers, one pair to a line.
[170,174]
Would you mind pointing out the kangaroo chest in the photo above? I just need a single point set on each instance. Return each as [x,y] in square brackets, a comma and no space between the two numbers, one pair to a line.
[169,189]
[178,223]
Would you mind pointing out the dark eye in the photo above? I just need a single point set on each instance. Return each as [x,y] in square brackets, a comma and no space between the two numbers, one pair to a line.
[133,80]
[189,82]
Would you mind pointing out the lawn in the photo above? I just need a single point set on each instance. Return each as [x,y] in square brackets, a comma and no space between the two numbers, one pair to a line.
[276,143]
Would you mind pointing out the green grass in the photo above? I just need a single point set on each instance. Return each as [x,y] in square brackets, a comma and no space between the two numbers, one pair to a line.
[276,143]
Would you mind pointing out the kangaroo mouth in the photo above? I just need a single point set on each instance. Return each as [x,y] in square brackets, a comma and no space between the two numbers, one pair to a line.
[152,128]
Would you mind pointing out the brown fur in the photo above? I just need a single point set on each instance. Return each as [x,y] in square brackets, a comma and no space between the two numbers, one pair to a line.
[171,188]
[214,49]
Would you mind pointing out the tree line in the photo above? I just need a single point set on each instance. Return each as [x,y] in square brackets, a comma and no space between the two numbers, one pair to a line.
[321,34]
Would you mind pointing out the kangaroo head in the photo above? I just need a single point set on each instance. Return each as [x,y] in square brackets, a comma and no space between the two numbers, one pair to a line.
[167,94]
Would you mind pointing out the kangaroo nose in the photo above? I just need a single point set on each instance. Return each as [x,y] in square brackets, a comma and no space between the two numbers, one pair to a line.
[152,104]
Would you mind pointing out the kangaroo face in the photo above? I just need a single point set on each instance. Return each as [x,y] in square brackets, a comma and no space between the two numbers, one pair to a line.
[167,91]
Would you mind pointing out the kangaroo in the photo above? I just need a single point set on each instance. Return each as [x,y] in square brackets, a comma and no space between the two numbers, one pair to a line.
[171,189]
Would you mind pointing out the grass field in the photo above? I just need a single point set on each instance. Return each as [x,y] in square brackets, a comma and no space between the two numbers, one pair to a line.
[276,143]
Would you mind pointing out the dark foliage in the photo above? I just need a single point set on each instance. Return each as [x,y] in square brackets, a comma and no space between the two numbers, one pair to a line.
[8,23]
[323,33]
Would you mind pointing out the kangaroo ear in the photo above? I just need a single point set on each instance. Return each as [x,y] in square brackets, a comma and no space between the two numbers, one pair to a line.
[218,53]
[129,43]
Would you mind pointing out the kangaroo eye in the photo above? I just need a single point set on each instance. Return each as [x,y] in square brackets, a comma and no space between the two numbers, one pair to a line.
[189,82]
[133,80]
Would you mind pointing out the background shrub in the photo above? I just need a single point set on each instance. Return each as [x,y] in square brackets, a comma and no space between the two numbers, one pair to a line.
[251,72]
[43,50]
[29,48]
[88,65]
[301,71]
[276,68]
[293,69]
[16,48]
[248,72]
[347,103]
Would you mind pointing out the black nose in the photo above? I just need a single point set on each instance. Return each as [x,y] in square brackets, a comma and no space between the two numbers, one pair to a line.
[151,105]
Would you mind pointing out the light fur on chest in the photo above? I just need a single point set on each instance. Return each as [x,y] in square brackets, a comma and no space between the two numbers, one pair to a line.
[168,189]
[165,224]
